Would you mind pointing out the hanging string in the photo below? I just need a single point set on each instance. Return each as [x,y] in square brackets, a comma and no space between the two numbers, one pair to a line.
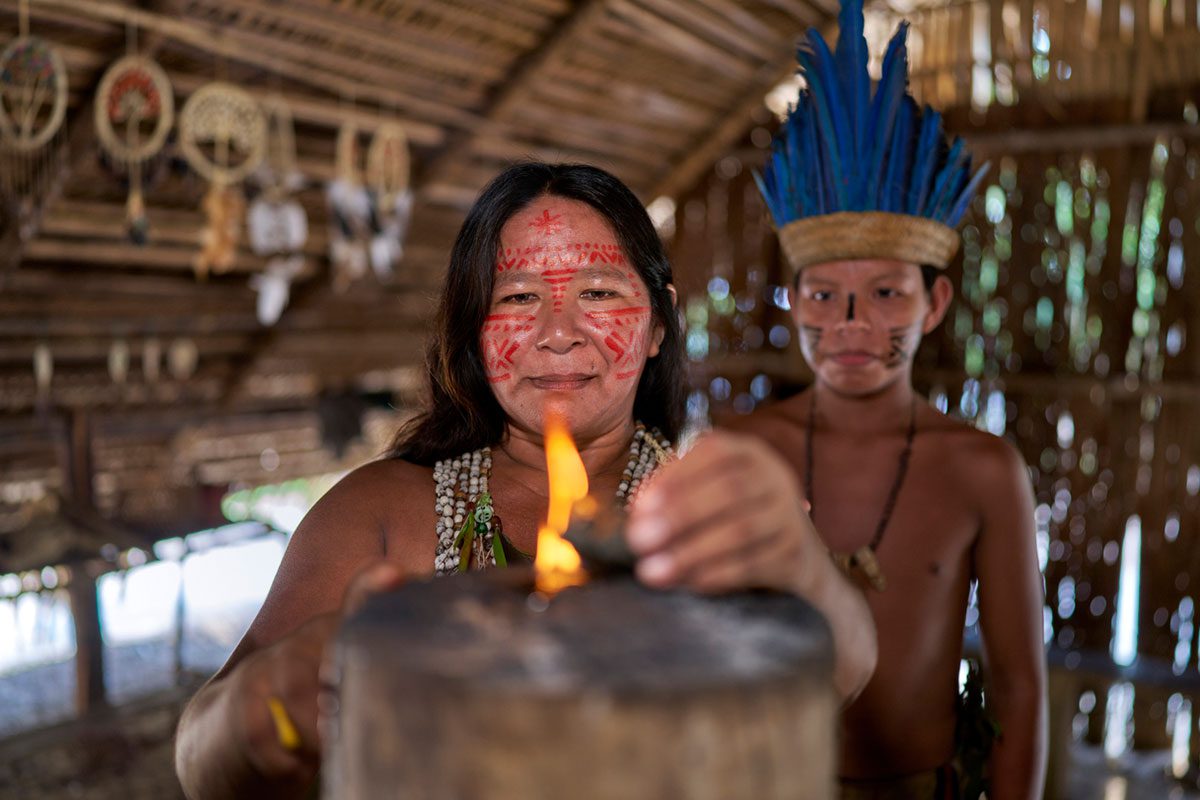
[23,16]
[130,38]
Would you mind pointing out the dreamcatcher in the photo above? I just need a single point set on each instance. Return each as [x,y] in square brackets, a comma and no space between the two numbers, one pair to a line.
[222,133]
[135,110]
[33,105]
[277,223]
[369,218]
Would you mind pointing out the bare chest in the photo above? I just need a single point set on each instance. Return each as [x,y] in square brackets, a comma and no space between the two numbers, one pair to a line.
[920,521]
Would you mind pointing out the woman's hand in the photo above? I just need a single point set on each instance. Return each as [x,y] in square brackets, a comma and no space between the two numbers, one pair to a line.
[282,744]
[726,516]
[263,715]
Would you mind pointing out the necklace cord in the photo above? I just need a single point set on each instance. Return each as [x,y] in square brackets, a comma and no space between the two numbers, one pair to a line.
[901,468]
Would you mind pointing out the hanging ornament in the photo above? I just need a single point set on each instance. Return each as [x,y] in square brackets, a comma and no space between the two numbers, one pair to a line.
[182,357]
[222,133]
[278,175]
[33,105]
[277,224]
[43,368]
[135,109]
[388,168]
[118,361]
[349,211]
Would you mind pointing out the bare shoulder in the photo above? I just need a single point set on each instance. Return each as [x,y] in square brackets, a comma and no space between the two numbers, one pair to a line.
[981,463]
[785,418]
[378,484]
[345,530]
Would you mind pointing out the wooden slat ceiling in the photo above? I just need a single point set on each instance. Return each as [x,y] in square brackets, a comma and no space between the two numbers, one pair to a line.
[654,90]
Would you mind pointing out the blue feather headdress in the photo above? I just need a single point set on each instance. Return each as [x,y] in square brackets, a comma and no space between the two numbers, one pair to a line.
[855,176]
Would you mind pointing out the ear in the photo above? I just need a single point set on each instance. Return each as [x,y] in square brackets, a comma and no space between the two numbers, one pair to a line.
[940,296]
[658,332]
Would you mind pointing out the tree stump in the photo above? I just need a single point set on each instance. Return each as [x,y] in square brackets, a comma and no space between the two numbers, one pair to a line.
[475,687]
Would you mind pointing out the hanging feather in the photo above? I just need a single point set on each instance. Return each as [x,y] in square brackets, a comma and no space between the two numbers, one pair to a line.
[900,157]
[833,128]
[964,198]
[889,98]
[851,65]
[928,144]
[950,170]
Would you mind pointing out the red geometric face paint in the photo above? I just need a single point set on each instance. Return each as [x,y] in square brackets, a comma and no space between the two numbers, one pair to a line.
[501,339]
[557,264]
[626,333]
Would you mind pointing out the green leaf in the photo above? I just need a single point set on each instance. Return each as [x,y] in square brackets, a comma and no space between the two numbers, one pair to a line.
[464,554]
[511,553]
[498,550]
[462,532]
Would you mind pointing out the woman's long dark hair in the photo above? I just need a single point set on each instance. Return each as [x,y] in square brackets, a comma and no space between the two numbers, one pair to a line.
[463,414]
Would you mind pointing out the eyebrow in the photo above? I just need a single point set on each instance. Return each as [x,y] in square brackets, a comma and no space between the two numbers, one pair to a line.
[556,274]
[891,275]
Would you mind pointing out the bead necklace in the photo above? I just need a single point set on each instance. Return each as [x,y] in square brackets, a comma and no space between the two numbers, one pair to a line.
[863,559]
[468,529]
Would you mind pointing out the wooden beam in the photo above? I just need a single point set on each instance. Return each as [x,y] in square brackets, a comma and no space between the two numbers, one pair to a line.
[556,46]
[727,130]
[258,51]
[372,36]
[128,255]
[1094,137]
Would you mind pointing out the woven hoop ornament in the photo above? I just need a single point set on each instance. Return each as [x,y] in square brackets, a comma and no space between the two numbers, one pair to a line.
[227,118]
[134,90]
[850,235]
[31,72]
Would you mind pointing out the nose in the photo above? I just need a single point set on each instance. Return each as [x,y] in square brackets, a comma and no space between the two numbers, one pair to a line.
[560,332]
[854,319]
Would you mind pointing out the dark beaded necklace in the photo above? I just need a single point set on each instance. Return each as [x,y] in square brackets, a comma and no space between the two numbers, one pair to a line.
[862,560]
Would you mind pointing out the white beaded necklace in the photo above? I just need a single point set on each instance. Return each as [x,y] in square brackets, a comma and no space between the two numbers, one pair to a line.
[461,482]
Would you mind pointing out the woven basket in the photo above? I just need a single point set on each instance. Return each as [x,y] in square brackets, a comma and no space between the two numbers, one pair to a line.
[850,235]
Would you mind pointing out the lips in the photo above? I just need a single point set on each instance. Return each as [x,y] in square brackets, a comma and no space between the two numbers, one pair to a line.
[853,358]
[561,382]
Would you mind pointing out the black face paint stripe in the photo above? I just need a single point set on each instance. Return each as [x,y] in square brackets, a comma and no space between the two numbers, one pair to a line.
[850,309]
[898,339]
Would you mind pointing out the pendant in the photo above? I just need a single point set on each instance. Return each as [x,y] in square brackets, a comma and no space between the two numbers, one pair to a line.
[862,563]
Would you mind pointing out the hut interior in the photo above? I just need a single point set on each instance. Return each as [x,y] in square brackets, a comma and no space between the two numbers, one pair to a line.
[164,355]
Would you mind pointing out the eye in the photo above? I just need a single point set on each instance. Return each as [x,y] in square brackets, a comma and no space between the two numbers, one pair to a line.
[821,295]
[598,294]
[886,293]
[519,298]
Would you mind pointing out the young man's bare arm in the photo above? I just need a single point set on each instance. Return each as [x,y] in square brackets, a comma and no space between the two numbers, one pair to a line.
[227,745]
[1010,605]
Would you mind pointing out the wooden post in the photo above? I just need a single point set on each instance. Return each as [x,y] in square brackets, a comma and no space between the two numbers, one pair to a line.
[1064,702]
[90,693]
[473,687]
[89,643]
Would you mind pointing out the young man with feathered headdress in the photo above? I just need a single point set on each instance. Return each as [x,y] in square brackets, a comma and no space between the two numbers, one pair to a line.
[866,194]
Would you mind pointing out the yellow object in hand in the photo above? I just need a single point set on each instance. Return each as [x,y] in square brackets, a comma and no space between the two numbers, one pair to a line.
[285,729]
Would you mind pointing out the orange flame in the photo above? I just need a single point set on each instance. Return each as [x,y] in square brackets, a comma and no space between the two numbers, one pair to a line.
[557,565]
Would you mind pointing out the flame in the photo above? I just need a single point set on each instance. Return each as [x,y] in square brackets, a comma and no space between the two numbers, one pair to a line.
[557,565]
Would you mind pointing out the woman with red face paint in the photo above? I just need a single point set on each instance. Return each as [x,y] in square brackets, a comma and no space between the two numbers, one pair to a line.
[558,299]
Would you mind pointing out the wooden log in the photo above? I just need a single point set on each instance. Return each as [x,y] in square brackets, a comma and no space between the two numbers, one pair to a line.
[473,687]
